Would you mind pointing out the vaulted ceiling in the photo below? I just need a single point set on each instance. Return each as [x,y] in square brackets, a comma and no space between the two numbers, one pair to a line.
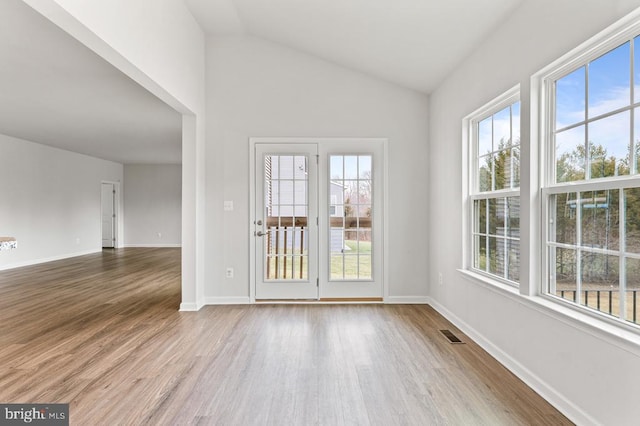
[412,43]
[55,91]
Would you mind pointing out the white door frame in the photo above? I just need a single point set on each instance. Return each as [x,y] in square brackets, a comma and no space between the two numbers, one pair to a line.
[118,208]
[310,140]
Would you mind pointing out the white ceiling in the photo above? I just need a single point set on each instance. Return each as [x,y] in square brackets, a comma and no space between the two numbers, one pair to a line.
[55,91]
[412,43]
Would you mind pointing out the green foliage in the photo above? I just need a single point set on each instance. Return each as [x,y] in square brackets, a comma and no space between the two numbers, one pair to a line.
[499,168]
[571,166]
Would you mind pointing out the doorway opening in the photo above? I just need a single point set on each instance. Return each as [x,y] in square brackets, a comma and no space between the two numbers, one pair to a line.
[109,215]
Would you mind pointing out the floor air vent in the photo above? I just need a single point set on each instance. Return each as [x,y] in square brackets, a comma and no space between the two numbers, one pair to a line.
[450,336]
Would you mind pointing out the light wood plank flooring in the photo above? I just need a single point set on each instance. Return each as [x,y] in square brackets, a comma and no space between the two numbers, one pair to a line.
[103,333]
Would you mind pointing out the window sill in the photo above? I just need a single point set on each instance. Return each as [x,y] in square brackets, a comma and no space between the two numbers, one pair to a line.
[618,335]
[490,283]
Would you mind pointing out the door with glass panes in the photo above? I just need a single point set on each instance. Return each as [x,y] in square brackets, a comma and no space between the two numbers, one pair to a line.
[318,220]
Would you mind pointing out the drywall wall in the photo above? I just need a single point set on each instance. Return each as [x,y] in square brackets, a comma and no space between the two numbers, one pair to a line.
[160,46]
[152,205]
[259,89]
[159,38]
[583,373]
[50,201]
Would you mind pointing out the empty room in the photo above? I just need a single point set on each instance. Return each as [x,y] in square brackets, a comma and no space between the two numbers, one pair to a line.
[296,212]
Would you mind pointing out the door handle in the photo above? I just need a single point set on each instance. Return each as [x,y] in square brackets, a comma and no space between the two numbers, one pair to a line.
[259,233]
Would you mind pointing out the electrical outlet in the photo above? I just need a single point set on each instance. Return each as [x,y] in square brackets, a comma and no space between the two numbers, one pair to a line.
[77,240]
[229,273]
[228,206]
[159,235]
[440,281]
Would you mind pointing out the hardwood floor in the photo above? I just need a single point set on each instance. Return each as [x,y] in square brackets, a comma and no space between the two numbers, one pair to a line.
[103,333]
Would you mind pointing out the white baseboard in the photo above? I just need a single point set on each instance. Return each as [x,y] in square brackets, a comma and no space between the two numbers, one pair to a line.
[243,300]
[190,306]
[154,245]
[47,259]
[566,407]
[407,300]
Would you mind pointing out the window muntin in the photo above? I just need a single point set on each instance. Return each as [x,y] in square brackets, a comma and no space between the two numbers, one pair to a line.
[594,110]
[498,150]
[497,237]
[594,250]
[495,183]
[592,192]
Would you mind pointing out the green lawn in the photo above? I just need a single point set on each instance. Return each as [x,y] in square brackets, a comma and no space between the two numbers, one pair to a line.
[354,263]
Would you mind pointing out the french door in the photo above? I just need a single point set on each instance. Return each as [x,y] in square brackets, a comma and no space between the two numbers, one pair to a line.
[285,221]
[317,226]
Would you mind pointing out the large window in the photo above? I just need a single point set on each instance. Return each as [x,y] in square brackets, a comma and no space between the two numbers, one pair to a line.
[494,188]
[591,194]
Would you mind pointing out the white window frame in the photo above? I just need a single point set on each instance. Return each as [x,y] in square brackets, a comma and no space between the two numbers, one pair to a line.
[471,192]
[543,97]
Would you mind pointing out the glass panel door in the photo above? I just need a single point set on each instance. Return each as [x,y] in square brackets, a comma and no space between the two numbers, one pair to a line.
[351,220]
[350,211]
[286,187]
[286,221]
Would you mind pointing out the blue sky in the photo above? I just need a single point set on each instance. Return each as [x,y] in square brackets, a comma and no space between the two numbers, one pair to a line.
[608,88]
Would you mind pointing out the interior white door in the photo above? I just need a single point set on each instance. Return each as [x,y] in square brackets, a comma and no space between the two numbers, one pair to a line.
[108,215]
[286,221]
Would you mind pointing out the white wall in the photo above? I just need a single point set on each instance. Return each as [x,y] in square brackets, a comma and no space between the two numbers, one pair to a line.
[160,46]
[50,201]
[259,89]
[591,376]
[152,205]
